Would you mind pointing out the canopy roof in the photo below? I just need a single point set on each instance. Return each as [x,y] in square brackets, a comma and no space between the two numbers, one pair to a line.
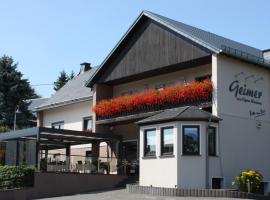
[187,113]
[57,138]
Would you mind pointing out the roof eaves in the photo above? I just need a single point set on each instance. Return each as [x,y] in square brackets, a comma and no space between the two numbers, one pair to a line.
[63,103]
[245,56]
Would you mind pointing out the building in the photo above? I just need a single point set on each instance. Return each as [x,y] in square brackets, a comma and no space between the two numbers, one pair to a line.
[157,52]
[160,115]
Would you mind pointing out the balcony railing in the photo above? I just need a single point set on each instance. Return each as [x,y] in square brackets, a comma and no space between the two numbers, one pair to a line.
[194,93]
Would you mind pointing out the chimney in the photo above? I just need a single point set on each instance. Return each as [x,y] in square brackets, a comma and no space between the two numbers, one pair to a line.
[85,67]
[266,54]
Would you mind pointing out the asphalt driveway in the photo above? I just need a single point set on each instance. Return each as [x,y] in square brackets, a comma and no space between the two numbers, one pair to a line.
[121,194]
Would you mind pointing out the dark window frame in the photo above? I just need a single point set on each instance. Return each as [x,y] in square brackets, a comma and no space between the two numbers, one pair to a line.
[87,118]
[199,140]
[145,142]
[57,124]
[215,141]
[162,141]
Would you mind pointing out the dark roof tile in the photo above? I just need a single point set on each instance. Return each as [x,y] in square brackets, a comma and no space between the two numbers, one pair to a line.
[187,113]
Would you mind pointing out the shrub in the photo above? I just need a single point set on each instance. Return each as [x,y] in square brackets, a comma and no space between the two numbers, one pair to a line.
[248,181]
[16,177]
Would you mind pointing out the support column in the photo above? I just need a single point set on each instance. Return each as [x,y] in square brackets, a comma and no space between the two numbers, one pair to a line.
[38,152]
[114,156]
[68,157]
[95,154]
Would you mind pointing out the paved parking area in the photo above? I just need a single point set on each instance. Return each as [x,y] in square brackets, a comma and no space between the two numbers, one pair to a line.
[121,194]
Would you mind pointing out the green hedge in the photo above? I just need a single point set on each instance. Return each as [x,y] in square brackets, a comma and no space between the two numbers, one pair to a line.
[16,177]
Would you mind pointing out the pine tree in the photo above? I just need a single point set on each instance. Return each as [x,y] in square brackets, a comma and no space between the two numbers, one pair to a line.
[14,91]
[72,75]
[61,80]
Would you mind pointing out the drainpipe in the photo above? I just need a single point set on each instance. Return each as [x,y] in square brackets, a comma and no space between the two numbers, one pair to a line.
[207,156]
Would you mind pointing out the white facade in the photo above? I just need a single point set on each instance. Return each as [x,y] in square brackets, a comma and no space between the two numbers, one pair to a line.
[244,130]
[177,170]
[72,115]
[241,98]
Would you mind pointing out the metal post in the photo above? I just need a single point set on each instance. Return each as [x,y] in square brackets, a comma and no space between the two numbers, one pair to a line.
[14,123]
[15,117]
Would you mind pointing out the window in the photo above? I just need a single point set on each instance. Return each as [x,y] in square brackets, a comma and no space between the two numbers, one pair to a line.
[212,137]
[191,140]
[202,78]
[58,125]
[150,142]
[87,123]
[167,141]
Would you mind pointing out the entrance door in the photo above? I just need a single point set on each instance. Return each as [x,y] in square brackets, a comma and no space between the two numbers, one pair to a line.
[130,157]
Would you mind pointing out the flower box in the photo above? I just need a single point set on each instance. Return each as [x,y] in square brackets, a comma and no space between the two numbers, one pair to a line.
[192,93]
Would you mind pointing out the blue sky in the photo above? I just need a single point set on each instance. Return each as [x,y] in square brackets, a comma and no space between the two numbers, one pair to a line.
[47,36]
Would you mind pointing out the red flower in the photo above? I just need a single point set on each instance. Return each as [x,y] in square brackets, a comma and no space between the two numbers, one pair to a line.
[178,94]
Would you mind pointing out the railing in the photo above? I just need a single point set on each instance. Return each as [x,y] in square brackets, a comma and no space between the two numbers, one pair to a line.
[79,164]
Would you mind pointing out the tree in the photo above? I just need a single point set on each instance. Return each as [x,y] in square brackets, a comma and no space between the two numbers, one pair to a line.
[14,91]
[62,79]
[72,75]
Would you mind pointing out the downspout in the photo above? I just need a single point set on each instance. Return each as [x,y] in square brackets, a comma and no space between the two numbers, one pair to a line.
[207,156]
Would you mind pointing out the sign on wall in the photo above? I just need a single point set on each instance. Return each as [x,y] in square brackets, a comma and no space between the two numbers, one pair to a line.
[248,89]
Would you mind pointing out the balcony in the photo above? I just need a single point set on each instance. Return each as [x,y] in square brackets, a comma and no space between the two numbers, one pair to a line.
[150,102]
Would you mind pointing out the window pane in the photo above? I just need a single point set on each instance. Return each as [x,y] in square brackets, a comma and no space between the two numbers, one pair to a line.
[87,124]
[58,125]
[191,141]
[150,142]
[167,140]
[212,141]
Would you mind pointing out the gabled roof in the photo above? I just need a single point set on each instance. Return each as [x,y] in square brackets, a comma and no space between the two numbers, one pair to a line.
[215,43]
[187,113]
[73,91]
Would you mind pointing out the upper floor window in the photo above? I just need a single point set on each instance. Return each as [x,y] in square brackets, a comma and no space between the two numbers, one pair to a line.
[150,142]
[87,123]
[58,125]
[212,141]
[167,140]
[191,140]
[202,78]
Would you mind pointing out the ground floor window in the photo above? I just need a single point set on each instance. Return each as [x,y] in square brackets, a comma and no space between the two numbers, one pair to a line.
[212,141]
[167,140]
[191,140]
[150,142]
